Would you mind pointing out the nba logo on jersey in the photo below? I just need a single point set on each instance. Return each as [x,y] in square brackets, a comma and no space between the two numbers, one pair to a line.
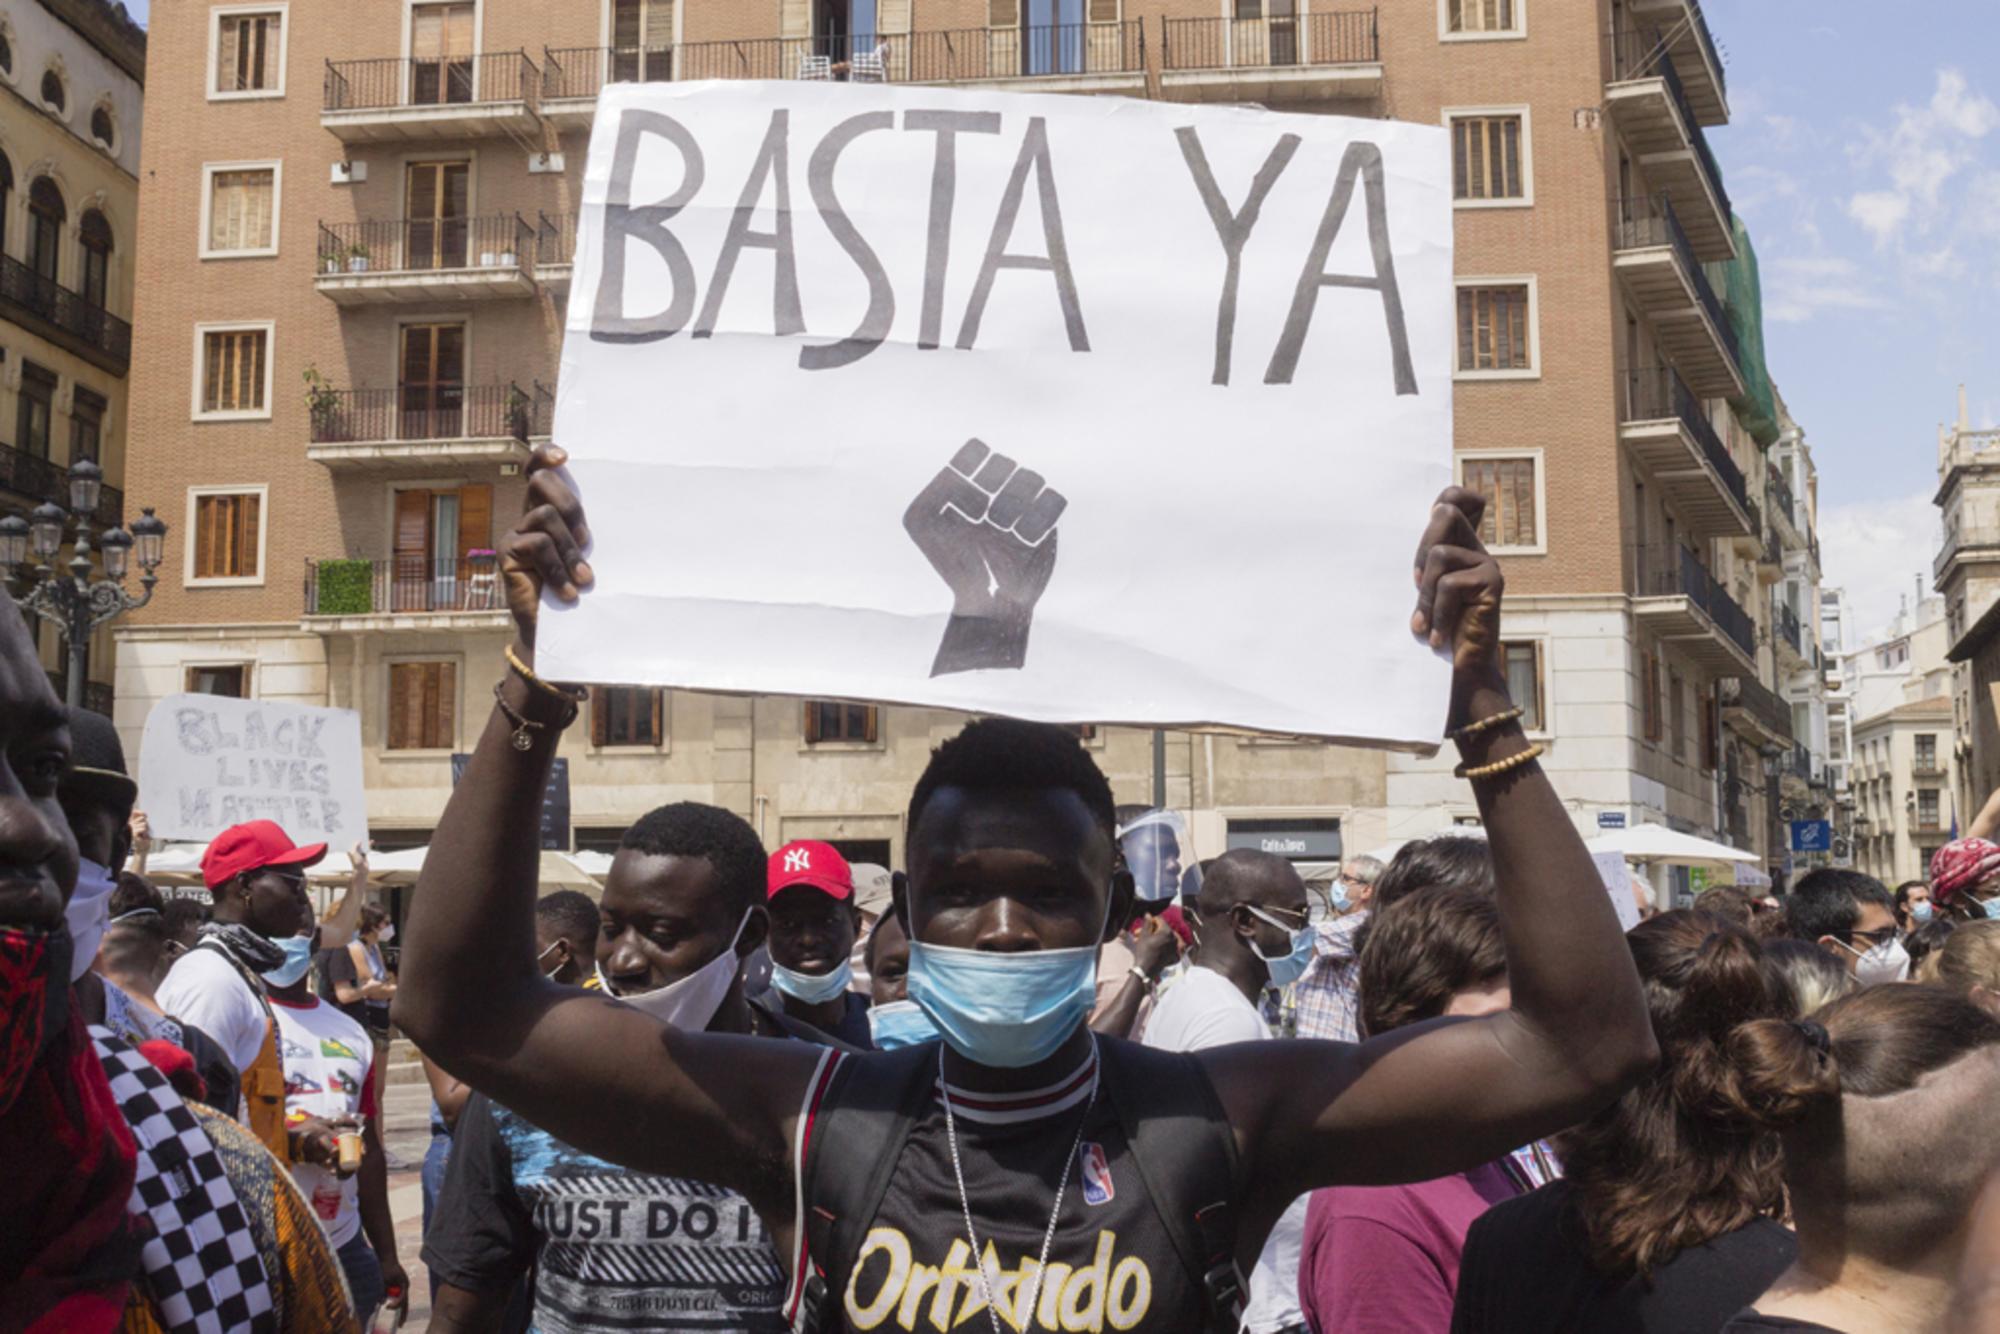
[1097,1187]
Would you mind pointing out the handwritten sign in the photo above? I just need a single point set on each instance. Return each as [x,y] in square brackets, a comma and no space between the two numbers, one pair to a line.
[1078,409]
[207,762]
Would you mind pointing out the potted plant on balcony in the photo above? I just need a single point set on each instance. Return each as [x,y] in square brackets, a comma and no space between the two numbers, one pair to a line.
[357,258]
[332,261]
[323,408]
[517,412]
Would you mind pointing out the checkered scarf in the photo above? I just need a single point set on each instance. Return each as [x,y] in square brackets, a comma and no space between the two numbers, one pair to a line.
[200,1259]
[1961,865]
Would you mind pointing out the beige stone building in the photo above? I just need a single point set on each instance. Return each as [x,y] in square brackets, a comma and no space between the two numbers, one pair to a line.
[72,85]
[358,247]
[1905,776]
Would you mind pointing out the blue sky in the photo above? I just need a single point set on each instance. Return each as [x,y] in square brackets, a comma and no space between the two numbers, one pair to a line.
[1864,153]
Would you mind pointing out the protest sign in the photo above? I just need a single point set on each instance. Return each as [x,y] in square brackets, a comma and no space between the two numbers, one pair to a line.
[1077,409]
[207,762]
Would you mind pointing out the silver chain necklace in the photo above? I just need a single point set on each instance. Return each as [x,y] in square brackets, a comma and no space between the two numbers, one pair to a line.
[1055,1214]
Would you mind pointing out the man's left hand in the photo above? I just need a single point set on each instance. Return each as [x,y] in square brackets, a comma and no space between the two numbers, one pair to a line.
[394,1277]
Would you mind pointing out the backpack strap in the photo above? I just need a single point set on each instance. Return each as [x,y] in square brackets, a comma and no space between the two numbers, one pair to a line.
[1186,1155]
[864,1117]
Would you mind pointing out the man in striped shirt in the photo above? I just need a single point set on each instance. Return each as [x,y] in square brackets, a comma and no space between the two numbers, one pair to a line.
[1326,999]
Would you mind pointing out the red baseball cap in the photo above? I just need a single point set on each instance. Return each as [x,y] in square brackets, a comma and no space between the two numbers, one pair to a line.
[807,861]
[252,847]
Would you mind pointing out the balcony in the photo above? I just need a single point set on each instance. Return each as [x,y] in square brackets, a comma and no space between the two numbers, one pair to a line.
[404,593]
[1656,264]
[46,308]
[1646,100]
[464,97]
[420,426]
[1789,636]
[1308,56]
[1928,770]
[1966,544]
[555,250]
[1778,494]
[1684,28]
[1665,428]
[1753,711]
[1065,57]
[428,259]
[35,479]
[1683,604]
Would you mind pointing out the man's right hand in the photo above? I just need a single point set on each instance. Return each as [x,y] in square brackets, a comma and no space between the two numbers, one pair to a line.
[315,1140]
[545,549]
[1155,947]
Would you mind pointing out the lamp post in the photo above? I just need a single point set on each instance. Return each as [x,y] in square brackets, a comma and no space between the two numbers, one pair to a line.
[71,598]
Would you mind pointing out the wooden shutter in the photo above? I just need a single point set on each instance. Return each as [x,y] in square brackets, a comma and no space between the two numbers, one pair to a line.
[475,519]
[228,52]
[1103,11]
[239,210]
[1003,13]
[600,711]
[405,680]
[811,721]
[1708,732]
[795,18]
[659,733]
[413,525]
[870,723]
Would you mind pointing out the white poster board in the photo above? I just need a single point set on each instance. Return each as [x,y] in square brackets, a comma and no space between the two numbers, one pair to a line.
[1617,878]
[207,762]
[1077,409]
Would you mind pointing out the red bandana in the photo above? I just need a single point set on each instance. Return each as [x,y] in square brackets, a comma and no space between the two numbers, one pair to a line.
[1962,864]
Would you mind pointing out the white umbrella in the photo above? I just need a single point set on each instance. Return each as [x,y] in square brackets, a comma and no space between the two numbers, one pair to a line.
[1657,843]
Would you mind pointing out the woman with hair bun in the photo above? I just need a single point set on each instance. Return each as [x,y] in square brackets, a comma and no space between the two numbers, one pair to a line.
[1881,1228]
[1810,976]
[1969,963]
[1664,1220]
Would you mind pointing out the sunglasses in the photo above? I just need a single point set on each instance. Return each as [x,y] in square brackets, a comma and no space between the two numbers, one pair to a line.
[1879,936]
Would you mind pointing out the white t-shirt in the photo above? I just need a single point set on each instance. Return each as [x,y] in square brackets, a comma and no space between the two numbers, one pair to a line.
[326,1057]
[1204,1009]
[204,989]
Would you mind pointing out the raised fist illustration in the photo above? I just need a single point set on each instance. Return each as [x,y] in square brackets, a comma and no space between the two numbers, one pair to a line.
[988,526]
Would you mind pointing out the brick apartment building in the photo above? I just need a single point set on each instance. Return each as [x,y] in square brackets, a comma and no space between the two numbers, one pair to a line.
[72,87]
[359,230]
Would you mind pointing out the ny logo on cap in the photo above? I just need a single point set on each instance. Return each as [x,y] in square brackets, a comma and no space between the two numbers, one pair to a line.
[798,859]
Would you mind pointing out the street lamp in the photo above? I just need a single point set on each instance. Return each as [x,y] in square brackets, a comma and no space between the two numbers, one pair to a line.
[71,600]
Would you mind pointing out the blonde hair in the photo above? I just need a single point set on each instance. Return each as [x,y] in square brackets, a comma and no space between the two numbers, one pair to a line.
[1970,958]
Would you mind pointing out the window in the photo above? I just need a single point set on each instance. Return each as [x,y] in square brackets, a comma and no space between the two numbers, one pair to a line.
[228,529]
[1927,760]
[54,95]
[35,411]
[1710,732]
[830,721]
[94,235]
[6,189]
[1676,716]
[444,556]
[430,386]
[437,198]
[240,209]
[1649,693]
[626,716]
[232,681]
[642,40]
[249,53]
[1483,18]
[101,127]
[1512,487]
[440,53]
[1927,808]
[1524,682]
[46,215]
[1496,329]
[1488,157]
[86,424]
[235,372]
[423,705]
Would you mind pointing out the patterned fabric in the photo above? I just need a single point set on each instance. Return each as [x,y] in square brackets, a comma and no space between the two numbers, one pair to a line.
[308,1290]
[1327,997]
[200,1261]
[1961,865]
[129,1020]
[244,945]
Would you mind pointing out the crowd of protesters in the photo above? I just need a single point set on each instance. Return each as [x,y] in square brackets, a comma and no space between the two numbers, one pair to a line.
[1055,1073]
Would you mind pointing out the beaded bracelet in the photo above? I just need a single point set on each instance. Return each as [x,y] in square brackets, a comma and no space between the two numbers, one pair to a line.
[1486,724]
[1498,767]
[528,674]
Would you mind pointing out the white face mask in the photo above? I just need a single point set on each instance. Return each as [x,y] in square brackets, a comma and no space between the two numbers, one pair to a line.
[1887,962]
[386,934]
[88,913]
[690,1003]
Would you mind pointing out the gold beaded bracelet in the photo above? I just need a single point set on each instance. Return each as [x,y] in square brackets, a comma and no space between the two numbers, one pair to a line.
[1498,767]
[528,674]
[1485,724]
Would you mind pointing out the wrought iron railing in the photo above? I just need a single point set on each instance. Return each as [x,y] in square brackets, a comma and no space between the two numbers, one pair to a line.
[1639,53]
[419,412]
[1649,222]
[25,291]
[555,238]
[1659,394]
[406,583]
[1780,493]
[1674,571]
[1787,622]
[542,414]
[35,478]
[1351,37]
[426,245]
[583,71]
[393,84]
[1759,701]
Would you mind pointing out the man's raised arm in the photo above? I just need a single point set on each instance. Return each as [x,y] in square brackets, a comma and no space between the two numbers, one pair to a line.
[1449,1095]
[598,1074]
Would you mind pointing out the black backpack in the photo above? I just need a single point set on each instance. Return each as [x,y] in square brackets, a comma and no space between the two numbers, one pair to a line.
[1180,1141]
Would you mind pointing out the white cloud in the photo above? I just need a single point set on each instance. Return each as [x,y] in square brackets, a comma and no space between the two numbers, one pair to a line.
[1880,212]
[1922,149]
[1877,550]
[1798,287]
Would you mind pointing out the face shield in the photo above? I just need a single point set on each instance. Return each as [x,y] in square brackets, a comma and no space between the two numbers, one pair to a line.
[1160,855]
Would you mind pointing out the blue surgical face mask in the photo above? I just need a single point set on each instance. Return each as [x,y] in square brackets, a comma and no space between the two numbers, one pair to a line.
[1286,968]
[1338,900]
[900,1023]
[1003,1009]
[1921,911]
[811,988]
[298,958]
[1991,907]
